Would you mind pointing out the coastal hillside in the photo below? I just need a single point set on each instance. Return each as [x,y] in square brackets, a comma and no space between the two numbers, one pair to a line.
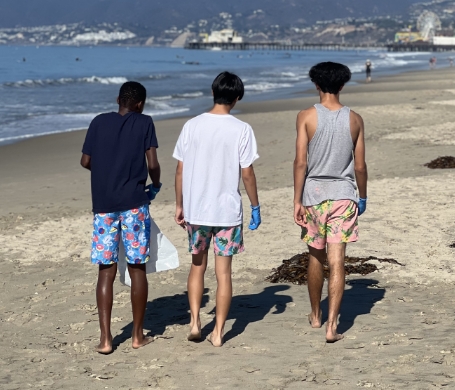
[158,15]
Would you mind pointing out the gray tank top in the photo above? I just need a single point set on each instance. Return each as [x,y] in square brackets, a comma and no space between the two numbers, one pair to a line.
[330,173]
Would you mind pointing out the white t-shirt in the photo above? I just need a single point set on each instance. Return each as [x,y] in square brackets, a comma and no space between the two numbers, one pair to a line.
[213,149]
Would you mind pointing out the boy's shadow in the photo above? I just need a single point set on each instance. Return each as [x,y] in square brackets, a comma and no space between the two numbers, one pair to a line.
[249,308]
[160,313]
[358,300]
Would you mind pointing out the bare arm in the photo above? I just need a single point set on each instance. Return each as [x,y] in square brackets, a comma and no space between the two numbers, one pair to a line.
[249,181]
[179,215]
[86,161]
[153,166]
[300,167]
[360,166]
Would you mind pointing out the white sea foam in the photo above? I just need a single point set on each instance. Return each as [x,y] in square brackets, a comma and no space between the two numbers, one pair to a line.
[389,60]
[190,95]
[404,54]
[170,111]
[33,126]
[266,86]
[288,74]
[61,123]
[160,108]
[198,76]
[159,76]
[22,137]
[62,81]
[104,80]
[167,97]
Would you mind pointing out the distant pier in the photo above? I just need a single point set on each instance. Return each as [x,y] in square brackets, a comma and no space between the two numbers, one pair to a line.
[422,47]
[276,46]
[394,47]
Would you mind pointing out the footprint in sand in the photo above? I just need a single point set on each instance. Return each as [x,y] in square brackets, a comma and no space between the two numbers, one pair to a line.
[77,327]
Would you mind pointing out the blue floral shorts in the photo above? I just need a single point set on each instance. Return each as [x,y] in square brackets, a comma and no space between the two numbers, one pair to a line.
[134,228]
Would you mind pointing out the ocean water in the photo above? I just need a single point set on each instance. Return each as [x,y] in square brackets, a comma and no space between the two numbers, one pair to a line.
[54,89]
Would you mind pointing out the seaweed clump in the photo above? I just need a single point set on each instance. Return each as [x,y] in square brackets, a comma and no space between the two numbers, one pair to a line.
[295,270]
[446,162]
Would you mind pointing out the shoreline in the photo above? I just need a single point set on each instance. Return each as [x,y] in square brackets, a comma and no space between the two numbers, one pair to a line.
[270,105]
[259,105]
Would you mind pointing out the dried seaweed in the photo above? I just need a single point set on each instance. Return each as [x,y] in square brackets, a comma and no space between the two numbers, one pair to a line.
[452,245]
[295,270]
[446,162]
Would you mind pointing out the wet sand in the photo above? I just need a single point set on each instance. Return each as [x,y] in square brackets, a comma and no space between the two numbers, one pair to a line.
[398,322]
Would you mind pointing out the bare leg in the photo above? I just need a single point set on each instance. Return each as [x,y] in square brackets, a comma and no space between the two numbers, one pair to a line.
[336,254]
[104,300]
[315,284]
[139,295]
[223,297]
[195,293]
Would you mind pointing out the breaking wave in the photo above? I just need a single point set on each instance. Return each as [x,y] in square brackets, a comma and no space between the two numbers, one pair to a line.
[266,86]
[63,81]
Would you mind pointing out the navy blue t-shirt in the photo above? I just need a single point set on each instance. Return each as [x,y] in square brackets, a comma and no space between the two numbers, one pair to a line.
[117,146]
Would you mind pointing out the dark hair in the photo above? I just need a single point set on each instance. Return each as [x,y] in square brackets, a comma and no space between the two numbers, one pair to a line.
[226,88]
[330,76]
[132,93]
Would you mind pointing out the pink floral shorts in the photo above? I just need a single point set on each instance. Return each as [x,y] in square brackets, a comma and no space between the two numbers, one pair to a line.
[332,221]
[227,241]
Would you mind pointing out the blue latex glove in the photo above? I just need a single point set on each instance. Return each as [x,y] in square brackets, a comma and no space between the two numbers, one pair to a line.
[255,217]
[362,205]
[152,191]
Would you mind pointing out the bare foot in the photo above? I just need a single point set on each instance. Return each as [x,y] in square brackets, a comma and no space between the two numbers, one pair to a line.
[215,341]
[332,336]
[105,347]
[195,332]
[315,322]
[142,342]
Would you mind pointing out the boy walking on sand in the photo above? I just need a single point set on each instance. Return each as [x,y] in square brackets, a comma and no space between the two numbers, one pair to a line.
[214,149]
[330,159]
[119,149]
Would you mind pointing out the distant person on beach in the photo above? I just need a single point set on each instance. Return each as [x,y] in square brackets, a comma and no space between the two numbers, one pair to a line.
[368,67]
[213,151]
[432,62]
[328,167]
[119,150]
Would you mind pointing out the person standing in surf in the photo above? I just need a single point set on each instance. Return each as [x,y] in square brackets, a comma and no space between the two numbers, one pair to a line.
[368,68]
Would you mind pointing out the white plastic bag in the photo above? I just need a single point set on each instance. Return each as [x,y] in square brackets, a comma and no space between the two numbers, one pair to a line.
[163,255]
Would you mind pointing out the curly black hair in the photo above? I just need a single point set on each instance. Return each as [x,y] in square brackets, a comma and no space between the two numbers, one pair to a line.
[132,93]
[330,76]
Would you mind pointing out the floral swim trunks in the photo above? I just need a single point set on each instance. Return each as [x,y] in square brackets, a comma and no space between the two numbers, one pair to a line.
[332,221]
[227,241]
[134,228]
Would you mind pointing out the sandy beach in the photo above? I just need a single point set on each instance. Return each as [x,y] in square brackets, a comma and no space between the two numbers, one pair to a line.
[398,322]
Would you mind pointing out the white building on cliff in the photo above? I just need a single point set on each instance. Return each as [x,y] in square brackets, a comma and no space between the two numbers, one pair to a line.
[223,36]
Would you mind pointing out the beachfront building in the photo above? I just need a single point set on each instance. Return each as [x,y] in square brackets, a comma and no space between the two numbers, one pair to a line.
[443,40]
[224,36]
